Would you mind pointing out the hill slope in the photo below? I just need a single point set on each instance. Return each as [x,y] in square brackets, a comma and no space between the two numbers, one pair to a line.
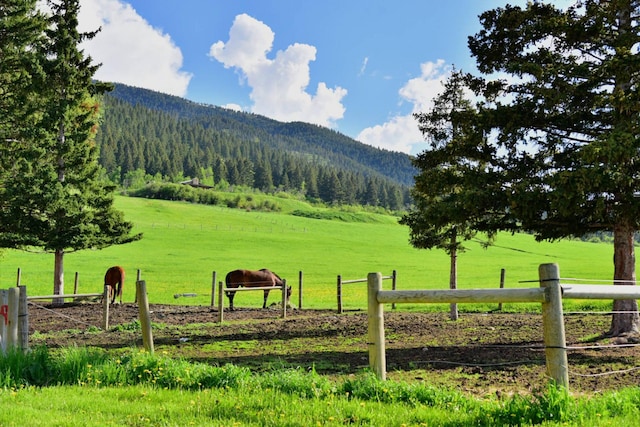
[310,141]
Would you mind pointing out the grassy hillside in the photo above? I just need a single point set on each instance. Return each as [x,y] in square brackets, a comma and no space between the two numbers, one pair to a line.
[185,243]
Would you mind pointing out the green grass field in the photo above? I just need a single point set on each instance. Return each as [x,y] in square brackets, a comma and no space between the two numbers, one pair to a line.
[185,243]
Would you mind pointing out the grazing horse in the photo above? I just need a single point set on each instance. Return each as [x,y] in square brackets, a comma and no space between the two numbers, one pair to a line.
[253,279]
[114,278]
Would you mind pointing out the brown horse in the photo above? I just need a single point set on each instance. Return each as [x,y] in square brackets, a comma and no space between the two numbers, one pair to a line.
[253,279]
[114,278]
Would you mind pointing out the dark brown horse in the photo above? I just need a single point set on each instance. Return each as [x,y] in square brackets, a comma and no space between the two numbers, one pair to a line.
[114,278]
[253,279]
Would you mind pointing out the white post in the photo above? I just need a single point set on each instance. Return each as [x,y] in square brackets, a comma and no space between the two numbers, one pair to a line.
[12,327]
[4,319]
[553,325]
[376,340]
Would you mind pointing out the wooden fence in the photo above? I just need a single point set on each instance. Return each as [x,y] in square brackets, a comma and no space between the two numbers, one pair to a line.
[222,289]
[341,282]
[14,315]
[549,294]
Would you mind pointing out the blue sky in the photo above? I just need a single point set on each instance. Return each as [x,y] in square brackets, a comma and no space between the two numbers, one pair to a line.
[360,67]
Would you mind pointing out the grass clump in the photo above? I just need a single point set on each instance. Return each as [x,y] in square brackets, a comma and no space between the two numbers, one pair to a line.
[177,392]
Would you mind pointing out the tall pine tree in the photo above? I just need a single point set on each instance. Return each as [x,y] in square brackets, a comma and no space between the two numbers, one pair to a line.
[56,198]
[459,181]
[570,121]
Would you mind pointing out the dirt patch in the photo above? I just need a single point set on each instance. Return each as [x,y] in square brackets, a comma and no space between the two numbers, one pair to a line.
[479,353]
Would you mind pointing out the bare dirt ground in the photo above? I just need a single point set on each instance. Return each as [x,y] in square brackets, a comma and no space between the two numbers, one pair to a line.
[478,354]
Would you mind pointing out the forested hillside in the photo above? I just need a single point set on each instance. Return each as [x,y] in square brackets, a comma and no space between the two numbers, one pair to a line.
[163,135]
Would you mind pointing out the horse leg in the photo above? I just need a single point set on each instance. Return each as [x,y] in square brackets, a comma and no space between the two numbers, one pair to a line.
[266,295]
[230,295]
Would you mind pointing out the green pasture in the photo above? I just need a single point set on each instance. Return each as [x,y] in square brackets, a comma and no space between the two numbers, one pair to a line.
[185,243]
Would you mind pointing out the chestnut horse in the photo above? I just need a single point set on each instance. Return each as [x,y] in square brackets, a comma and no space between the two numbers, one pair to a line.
[114,278]
[253,279]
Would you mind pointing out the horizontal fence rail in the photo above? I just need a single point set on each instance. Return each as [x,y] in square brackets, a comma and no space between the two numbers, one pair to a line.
[600,292]
[393,277]
[222,289]
[462,296]
[550,294]
[39,297]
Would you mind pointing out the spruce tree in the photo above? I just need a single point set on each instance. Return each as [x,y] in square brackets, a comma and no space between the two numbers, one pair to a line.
[57,199]
[569,119]
[460,180]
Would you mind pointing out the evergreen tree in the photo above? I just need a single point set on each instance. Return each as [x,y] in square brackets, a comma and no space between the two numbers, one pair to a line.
[263,176]
[21,34]
[569,122]
[457,186]
[57,199]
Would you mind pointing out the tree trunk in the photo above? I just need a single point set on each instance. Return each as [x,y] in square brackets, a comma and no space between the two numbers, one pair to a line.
[453,283]
[625,317]
[58,277]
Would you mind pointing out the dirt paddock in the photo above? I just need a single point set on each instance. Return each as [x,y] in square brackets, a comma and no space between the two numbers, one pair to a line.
[480,353]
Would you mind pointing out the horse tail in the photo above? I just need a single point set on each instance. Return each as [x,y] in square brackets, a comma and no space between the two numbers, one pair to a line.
[120,283]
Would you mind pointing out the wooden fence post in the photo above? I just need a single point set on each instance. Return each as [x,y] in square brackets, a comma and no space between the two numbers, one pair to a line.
[213,289]
[393,286]
[145,317]
[284,298]
[135,300]
[376,340]
[300,281]
[105,308]
[220,303]
[339,293]
[553,325]
[501,286]
[23,320]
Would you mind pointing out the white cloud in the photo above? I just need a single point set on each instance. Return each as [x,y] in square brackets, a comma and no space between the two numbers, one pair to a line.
[130,49]
[278,86]
[234,107]
[400,132]
[364,66]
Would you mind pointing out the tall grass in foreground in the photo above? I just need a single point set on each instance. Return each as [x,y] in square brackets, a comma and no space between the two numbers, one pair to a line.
[69,387]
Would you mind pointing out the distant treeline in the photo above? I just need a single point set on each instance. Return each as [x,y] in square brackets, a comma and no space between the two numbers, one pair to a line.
[220,151]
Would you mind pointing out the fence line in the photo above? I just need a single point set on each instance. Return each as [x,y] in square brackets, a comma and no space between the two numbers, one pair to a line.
[222,289]
[549,294]
[341,282]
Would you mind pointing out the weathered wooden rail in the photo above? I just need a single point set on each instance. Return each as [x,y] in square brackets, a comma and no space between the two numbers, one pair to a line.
[549,294]
[222,289]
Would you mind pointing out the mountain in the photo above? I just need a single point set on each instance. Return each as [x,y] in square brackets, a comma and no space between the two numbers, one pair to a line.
[159,133]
